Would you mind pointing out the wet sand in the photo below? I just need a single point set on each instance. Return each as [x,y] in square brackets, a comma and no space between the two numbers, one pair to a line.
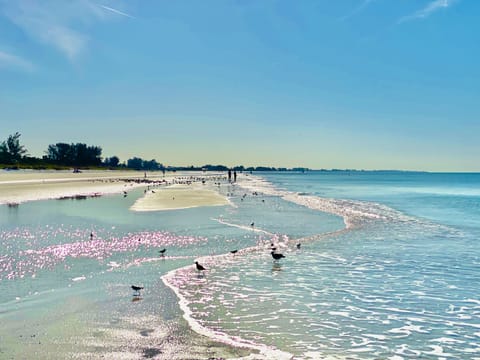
[76,327]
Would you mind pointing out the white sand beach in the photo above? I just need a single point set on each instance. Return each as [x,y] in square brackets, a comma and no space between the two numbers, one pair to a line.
[21,186]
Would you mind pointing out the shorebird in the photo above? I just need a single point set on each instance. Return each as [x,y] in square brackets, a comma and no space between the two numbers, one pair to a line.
[199,267]
[162,252]
[252,224]
[137,290]
[277,256]
[233,251]
[299,245]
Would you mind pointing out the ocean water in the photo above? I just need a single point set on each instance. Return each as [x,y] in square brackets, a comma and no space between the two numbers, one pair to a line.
[388,268]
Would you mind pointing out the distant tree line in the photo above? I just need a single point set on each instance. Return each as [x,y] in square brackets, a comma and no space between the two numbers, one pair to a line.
[78,154]
[140,164]
[238,168]
[13,154]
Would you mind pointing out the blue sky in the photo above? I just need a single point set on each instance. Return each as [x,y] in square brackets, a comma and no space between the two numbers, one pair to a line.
[366,84]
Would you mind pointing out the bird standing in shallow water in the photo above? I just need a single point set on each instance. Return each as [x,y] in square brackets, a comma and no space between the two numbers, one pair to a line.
[199,267]
[277,256]
[234,252]
[299,245]
[162,252]
[137,290]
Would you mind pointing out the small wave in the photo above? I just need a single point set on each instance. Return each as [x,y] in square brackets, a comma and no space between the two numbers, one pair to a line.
[170,280]
[243,227]
[355,213]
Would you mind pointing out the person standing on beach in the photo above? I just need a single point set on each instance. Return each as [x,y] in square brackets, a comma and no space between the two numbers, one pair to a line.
[229,175]
[234,176]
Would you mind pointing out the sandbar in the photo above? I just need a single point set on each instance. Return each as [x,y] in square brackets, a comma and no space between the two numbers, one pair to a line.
[179,197]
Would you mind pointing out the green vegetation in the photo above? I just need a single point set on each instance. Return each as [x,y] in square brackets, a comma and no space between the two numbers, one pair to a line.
[11,152]
[61,156]
[78,155]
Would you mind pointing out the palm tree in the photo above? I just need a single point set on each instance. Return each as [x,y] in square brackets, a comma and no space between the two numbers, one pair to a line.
[11,151]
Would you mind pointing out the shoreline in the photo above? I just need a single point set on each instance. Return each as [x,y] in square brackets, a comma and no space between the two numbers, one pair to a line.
[23,187]
[235,342]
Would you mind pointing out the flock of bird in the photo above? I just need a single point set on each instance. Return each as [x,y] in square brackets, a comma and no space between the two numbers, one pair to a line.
[276,256]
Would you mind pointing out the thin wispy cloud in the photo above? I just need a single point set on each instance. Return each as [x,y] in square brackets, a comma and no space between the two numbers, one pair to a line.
[8,60]
[428,10]
[116,11]
[63,25]
[357,10]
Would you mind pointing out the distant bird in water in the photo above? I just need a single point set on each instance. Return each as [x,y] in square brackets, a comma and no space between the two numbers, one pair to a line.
[277,256]
[252,224]
[162,252]
[299,246]
[199,267]
[234,252]
[137,290]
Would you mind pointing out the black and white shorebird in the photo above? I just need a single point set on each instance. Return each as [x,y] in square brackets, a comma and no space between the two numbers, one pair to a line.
[277,256]
[162,252]
[299,246]
[199,267]
[137,290]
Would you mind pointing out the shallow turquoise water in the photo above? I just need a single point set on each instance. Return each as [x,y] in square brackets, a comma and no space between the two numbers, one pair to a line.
[401,282]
